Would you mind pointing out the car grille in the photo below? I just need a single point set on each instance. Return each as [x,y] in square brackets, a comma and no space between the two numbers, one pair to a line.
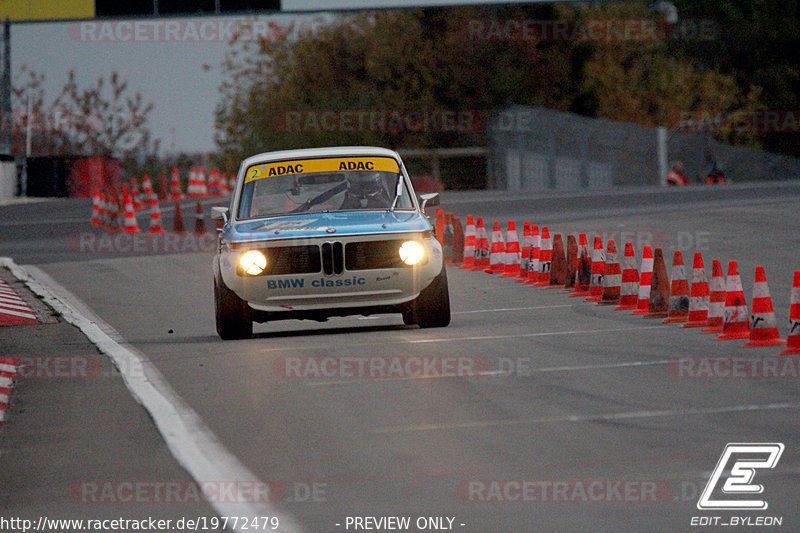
[373,254]
[292,260]
[332,257]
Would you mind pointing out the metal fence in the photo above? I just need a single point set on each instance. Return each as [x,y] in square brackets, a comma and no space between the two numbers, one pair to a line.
[533,148]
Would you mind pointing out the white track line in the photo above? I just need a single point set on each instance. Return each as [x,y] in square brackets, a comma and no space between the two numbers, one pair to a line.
[591,367]
[503,310]
[526,335]
[192,443]
[589,417]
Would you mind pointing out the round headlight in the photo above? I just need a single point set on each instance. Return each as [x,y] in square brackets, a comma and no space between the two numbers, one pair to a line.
[411,252]
[253,262]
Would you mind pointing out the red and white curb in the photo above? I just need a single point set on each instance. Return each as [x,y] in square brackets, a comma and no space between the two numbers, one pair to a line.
[8,369]
[191,442]
[13,309]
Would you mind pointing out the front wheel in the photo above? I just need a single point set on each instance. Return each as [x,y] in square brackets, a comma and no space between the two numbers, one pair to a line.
[431,309]
[232,313]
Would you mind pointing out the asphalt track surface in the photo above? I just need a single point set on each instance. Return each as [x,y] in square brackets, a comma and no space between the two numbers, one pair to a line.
[563,394]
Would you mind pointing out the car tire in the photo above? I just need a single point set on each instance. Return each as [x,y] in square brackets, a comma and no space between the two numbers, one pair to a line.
[431,309]
[232,313]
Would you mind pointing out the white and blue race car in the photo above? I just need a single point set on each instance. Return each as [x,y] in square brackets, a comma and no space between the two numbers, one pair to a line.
[324,232]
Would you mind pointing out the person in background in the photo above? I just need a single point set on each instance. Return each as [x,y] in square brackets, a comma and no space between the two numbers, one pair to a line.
[715,175]
[676,175]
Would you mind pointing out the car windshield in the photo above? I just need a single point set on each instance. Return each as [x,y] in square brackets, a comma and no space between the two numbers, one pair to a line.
[322,184]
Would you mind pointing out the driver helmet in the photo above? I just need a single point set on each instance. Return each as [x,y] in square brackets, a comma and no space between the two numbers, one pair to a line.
[365,186]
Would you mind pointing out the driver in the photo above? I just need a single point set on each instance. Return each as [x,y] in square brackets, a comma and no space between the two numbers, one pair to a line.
[365,190]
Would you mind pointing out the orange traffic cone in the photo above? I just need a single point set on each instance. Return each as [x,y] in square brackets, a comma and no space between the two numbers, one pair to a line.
[598,269]
[131,226]
[178,226]
[199,221]
[716,300]
[469,244]
[156,225]
[763,329]
[525,253]
[645,282]
[612,276]
[497,253]
[482,251]
[104,211]
[214,186]
[628,293]
[658,305]
[558,264]
[545,259]
[571,269]
[793,338]
[438,225]
[513,253]
[137,203]
[583,276]
[201,180]
[95,220]
[533,260]
[679,292]
[163,194]
[175,185]
[699,295]
[223,183]
[197,183]
[107,213]
[736,319]
[458,241]
[447,238]
[147,192]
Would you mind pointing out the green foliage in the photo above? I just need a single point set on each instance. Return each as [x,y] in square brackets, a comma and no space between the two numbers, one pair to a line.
[317,84]
[757,45]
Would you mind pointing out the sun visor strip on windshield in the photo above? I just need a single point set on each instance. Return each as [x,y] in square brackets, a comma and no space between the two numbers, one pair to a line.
[327,164]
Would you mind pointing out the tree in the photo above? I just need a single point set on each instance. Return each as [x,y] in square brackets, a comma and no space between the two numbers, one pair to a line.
[641,80]
[102,120]
[318,84]
[757,45]
[393,78]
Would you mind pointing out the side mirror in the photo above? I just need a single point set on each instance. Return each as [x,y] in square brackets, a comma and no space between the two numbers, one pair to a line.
[219,213]
[429,199]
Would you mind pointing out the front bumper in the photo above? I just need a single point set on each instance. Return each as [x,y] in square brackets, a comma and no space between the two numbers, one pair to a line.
[317,291]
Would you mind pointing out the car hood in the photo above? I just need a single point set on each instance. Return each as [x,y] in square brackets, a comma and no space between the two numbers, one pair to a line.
[327,224]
